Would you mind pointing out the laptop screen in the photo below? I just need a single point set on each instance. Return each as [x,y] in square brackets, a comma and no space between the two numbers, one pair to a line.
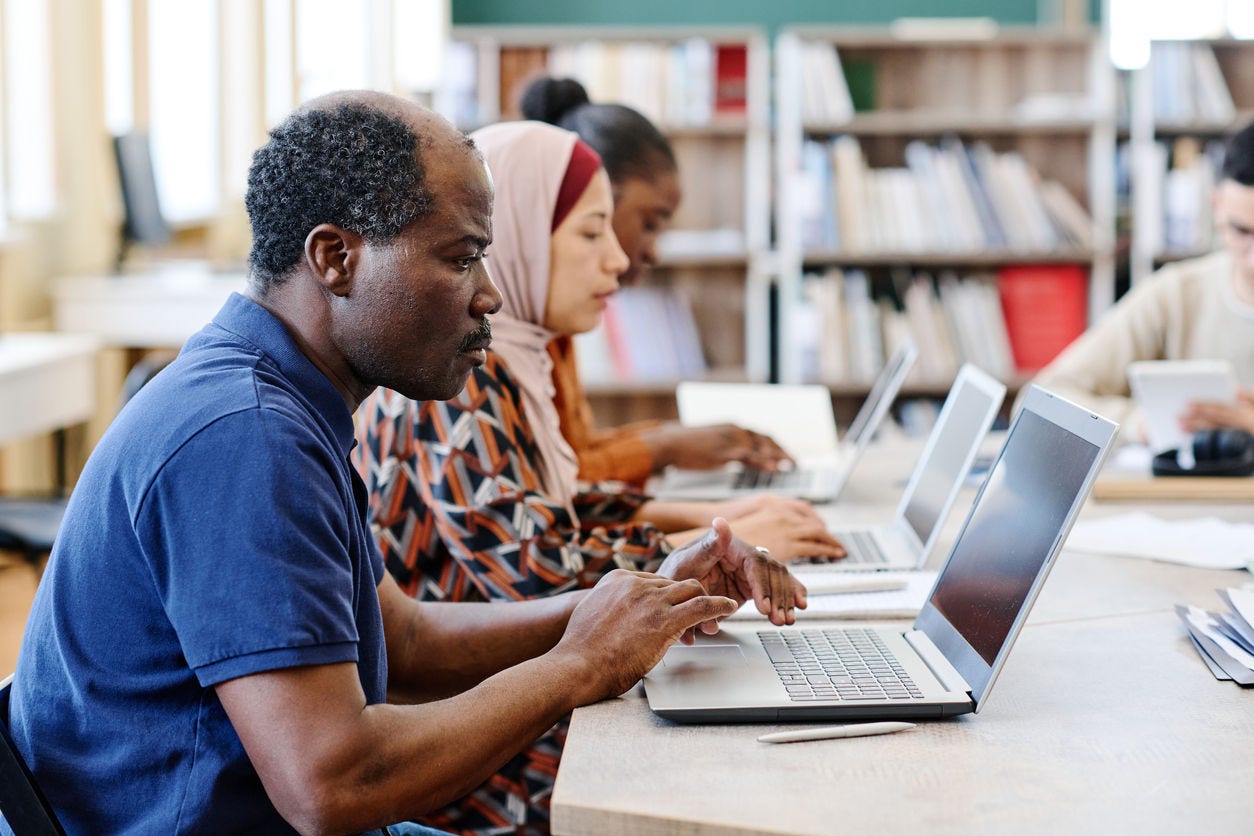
[883,391]
[949,450]
[1011,531]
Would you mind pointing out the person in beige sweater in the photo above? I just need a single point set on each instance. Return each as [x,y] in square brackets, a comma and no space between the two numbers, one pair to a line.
[1202,308]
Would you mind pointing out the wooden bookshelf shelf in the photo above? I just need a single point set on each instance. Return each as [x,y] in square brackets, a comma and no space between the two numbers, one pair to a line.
[963,123]
[714,129]
[709,261]
[614,388]
[1167,257]
[943,260]
[914,388]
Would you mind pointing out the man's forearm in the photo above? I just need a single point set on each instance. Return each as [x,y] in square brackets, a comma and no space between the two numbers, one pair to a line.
[436,649]
[332,764]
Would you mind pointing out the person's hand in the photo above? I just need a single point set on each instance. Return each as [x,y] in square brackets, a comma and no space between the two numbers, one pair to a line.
[790,528]
[628,620]
[1204,415]
[727,565]
[705,448]
[785,506]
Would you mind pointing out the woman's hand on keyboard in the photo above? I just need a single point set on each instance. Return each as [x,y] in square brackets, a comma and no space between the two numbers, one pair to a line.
[704,448]
[790,528]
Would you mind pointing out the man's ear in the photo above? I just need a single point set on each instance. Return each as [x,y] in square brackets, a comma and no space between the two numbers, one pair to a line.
[333,254]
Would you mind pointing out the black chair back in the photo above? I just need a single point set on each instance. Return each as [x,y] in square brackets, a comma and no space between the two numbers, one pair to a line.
[21,802]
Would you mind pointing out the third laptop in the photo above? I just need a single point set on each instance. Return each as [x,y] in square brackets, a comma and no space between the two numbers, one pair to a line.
[800,418]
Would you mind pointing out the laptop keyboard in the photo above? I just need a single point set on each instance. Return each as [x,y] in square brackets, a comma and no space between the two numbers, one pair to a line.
[837,664]
[862,547]
[750,479]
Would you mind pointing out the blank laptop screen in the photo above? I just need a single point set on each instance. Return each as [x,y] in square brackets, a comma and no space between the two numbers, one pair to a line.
[862,423]
[946,459]
[1010,533]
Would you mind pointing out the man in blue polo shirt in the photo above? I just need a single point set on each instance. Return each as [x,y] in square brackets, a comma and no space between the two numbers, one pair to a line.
[215,641]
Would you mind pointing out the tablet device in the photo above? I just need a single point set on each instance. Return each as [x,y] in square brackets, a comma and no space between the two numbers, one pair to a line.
[1163,389]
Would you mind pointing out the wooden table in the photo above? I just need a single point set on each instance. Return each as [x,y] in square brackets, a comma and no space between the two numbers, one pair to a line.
[159,308]
[46,382]
[1103,721]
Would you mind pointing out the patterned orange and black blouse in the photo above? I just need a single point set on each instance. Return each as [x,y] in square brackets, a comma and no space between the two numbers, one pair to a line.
[459,516]
[457,507]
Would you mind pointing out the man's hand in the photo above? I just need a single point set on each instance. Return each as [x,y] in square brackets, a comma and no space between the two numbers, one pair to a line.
[727,565]
[628,620]
[1211,416]
[704,448]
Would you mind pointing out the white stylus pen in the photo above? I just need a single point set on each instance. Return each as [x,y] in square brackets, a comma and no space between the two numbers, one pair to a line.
[828,732]
[870,584]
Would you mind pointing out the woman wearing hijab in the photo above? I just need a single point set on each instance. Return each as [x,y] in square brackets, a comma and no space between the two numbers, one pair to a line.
[478,498]
[645,180]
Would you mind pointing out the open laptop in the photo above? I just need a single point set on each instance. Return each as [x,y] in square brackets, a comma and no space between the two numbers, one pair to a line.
[906,542]
[947,662]
[800,418]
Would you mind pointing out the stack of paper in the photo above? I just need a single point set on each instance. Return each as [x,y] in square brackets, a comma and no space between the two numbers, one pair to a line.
[896,594]
[1207,542]
[1224,640]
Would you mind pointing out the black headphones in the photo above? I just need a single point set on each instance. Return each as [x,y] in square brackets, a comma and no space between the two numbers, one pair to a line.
[1215,453]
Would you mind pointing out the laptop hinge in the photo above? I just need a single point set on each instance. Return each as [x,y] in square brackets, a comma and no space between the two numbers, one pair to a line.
[936,662]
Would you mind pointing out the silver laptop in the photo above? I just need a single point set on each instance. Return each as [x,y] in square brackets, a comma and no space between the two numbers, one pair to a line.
[907,541]
[824,465]
[948,661]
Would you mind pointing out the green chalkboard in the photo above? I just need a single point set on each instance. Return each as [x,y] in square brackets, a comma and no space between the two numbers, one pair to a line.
[771,15]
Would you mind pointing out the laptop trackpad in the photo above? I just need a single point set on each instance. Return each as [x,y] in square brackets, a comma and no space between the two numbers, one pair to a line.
[709,655]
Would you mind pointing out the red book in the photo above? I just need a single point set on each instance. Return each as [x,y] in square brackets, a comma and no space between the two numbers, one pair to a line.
[1046,307]
[731,78]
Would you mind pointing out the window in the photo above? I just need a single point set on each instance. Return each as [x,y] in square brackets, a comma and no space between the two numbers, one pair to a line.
[1134,23]
[27,171]
[213,74]
[183,106]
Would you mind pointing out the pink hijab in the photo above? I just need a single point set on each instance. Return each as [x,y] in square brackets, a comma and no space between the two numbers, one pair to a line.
[528,161]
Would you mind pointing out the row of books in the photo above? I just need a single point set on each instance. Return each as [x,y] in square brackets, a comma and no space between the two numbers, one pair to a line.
[691,82]
[1188,84]
[1180,183]
[647,334]
[825,96]
[1014,321]
[951,197]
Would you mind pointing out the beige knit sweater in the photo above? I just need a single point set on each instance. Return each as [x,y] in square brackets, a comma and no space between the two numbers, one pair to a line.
[1185,311]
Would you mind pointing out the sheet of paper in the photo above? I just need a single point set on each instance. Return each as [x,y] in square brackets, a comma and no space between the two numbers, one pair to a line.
[1195,621]
[1235,629]
[1241,601]
[1219,672]
[900,603]
[1205,627]
[1206,542]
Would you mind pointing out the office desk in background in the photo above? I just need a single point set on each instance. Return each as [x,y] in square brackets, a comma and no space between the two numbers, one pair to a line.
[159,308]
[47,382]
[1104,720]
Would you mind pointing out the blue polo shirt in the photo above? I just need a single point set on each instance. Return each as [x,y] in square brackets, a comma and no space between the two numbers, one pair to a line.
[217,531]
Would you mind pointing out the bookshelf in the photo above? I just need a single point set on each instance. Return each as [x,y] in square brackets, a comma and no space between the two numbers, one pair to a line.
[933,178]
[708,90]
[1179,110]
